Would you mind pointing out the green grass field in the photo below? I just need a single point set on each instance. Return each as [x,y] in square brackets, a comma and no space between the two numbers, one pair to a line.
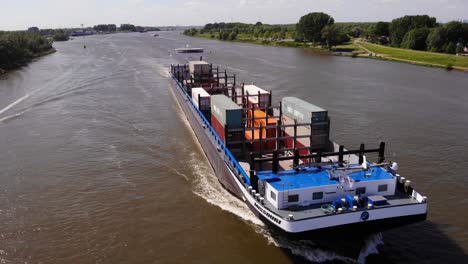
[418,57]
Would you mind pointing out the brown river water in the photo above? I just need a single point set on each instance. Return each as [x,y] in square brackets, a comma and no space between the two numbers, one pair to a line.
[98,164]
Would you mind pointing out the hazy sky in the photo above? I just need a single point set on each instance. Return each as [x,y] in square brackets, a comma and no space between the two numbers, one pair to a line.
[21,14]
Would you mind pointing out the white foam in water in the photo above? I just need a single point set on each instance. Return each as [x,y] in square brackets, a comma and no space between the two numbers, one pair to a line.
[161,70]
[15,103]
[371,247]
[207,187]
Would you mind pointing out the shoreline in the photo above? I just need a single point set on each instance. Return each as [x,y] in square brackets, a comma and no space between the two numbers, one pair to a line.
[359,51]
[34,57]
[286,44]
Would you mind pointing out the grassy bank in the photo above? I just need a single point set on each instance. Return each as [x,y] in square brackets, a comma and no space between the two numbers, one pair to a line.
[416,57]
[246,38]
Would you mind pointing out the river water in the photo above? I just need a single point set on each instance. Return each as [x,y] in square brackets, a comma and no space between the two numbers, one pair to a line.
[98,164]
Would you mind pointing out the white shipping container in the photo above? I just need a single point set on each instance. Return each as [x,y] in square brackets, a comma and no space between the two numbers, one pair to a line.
[204,98]
[264,99]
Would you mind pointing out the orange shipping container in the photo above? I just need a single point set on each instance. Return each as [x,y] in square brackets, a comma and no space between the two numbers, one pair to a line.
[263,121]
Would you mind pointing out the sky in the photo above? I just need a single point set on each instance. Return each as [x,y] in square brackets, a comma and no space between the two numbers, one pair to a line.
[21,14]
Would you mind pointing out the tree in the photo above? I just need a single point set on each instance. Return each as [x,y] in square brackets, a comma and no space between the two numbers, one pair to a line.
[450,48]
[381,29]
[400,26]
[356,31]
[127,27]
[60,35]
[223,35]
[415,39]
[437,39]
[232,36]
[310,26]
[333,36]
[105,28]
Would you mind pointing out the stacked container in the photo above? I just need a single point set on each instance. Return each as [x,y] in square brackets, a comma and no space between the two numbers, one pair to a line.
[225,114]
[304,112]
[199,68]
[261,119]
[201,98]
[254,100]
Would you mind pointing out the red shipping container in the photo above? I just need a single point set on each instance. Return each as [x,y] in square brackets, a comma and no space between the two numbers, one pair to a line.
[218,128]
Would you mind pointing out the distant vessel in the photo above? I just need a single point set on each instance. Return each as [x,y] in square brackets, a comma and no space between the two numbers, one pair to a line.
[281,162]
[189,50]
[81,33]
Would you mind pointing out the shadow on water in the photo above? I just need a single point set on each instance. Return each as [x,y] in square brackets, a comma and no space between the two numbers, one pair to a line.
[401,245]
[404,245]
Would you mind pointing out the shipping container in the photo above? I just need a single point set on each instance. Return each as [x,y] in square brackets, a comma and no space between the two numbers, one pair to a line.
[264,121]
[199,68]
[320,135]
[201,98]
[226,111]
[253,99]
[303,111]
[225,114]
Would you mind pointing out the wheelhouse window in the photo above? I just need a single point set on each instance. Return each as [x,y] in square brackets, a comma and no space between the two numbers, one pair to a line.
[317,195]
[360,190]
[383,188]
[293,198]
[273,195]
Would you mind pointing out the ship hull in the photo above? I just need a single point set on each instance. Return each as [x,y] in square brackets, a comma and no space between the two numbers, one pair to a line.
[207,142]
[356,230]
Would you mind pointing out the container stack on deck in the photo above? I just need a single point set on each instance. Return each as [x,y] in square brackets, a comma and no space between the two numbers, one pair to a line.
[200,72]
[259,120]
[256,97]
[225,114]
[304,112]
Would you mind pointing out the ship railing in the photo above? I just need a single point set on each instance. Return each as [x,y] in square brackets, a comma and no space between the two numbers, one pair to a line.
[229,158]
[214,76]
[284,139]
[319,155]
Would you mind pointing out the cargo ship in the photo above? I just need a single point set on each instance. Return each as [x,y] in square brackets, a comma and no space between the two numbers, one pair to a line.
[281,161]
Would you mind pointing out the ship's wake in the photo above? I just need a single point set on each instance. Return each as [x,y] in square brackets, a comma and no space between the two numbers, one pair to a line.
[206,186]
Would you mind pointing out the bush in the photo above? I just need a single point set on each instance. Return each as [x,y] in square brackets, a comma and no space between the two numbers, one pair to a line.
[60,36]
[449,66]
[17,48]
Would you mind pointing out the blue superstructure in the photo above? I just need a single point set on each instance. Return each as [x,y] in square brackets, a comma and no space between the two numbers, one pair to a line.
[315,177]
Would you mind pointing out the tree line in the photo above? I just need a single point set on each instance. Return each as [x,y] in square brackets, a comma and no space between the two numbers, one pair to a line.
[420,32]
[18,48]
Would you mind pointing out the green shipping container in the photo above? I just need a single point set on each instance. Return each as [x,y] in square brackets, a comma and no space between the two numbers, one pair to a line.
[303,111]
[228,113]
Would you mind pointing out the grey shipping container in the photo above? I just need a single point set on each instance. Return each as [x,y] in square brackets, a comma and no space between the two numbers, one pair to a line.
[198,68]
[228,113]
[303,111]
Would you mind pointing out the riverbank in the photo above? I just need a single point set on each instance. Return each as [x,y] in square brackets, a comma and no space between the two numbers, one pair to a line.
[360,49]
[34,57]
[244,38]
[19,48]
[423,58]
